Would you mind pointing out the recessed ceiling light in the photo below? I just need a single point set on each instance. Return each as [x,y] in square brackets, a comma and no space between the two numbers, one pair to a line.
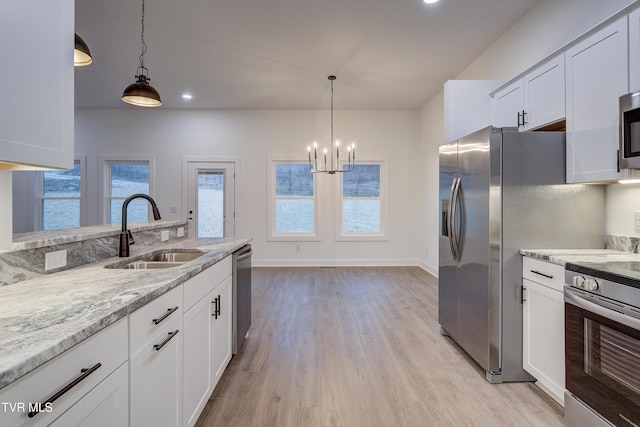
[187,96]
[430,1]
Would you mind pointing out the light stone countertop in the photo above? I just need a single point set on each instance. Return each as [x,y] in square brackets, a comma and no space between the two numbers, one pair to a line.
[42,317]
[577,256]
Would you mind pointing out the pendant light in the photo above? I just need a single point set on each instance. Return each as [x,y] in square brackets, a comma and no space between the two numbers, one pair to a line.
[81,54]
[333,166]
[141,93]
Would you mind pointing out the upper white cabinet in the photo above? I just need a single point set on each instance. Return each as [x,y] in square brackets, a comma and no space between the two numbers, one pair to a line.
[597,75]
[508,105]
[533,101]
[467,106]
[36,112]
[544,94]
[634,51]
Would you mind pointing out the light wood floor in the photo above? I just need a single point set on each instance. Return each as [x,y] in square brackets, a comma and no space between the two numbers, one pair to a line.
[360,347]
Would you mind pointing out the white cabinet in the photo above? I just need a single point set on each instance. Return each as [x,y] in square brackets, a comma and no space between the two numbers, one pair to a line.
[543,325]
[221,330]
[597,75]
[508,105]
[207,345]
[86,378]
[467,106]
[155,364]
[197,357]
[107,405]
[634,51]
[533,101]
[36,112]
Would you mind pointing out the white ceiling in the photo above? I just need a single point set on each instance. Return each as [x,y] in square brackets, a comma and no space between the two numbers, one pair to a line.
[277,54]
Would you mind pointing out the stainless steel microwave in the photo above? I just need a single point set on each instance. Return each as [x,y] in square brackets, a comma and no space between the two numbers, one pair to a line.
[630,131]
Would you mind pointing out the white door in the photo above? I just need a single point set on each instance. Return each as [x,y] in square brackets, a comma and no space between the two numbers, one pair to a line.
[211,199]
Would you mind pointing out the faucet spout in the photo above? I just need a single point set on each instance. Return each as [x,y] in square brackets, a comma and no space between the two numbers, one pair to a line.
[125,234]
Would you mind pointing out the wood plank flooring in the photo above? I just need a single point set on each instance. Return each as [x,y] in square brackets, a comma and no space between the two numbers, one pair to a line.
[360,346]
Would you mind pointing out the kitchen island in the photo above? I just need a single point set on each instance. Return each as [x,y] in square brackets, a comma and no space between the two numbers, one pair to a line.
[45,316]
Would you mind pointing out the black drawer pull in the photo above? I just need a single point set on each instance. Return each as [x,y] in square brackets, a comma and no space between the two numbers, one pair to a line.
[162,344]
[84,374]
[215,308]
[541,274]
[165,315]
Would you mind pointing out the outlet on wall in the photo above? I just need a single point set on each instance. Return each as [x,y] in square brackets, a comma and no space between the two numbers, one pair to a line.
[636,221]
[180,232]
[164,235]
[53,260]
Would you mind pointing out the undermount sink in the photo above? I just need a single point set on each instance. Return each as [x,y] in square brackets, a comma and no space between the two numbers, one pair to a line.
[149,265]
[157,260]
[173,257]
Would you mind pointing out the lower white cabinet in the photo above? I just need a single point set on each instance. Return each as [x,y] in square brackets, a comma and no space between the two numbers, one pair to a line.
[155,364]
[543,325]
[221,330]
[74,387]
[107,405]
[197,357]
[207,337]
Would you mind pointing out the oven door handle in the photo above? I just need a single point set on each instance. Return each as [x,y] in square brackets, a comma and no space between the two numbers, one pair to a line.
[607,313]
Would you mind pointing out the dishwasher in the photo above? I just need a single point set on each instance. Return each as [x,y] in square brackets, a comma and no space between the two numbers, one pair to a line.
[241,295]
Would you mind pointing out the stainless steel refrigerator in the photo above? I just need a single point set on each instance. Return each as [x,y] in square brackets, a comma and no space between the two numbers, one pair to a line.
[501,191]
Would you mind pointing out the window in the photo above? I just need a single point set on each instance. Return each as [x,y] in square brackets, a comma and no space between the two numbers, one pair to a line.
[122,179]
[292,201]
[61,198]
[363,212]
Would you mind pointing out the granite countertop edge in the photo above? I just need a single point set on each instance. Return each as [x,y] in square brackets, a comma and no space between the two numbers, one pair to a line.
[38,322]
[564,256]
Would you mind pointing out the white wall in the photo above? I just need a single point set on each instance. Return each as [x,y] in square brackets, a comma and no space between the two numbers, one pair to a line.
[545,29]
[251,136]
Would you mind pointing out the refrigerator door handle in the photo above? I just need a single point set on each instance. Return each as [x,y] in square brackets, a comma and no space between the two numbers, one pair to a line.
[454,213]
[461,232]
[450,221]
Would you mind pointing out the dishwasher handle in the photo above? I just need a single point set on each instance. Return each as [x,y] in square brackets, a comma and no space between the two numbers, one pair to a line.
[244,254]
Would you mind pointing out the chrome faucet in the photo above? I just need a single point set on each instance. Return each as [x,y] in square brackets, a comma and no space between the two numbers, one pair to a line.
[126,238]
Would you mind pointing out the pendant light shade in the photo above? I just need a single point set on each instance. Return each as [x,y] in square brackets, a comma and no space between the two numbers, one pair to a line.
[141,93]
[81,54]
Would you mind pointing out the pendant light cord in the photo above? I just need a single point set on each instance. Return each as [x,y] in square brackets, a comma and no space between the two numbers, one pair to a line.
[144,45]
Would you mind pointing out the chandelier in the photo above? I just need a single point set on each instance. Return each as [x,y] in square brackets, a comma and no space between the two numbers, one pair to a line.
[333,165]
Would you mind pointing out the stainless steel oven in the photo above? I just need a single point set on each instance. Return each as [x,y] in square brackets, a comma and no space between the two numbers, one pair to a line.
[602,344]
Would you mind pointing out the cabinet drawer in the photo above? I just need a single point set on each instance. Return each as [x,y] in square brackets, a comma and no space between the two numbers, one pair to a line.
[99,355]
[543,272]
[150,319]
[199,286]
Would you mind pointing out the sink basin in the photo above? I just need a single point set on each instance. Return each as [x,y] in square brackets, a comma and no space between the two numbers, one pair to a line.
[157,260]
[173,257]
[149,265]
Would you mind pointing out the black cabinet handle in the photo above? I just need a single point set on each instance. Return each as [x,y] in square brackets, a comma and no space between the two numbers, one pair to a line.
[541,274]
[219,304]
[157,347]
[519,117]
[216,308]
[84,374]
[165,315]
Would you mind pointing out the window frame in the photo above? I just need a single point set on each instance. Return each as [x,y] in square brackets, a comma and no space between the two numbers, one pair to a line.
[40,196]
[383,234]
[272,234]
[105,184]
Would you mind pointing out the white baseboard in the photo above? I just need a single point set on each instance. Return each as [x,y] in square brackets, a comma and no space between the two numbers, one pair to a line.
[433,270]
[333,262]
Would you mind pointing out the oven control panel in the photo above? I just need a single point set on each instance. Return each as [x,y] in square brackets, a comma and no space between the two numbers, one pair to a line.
[588,284]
